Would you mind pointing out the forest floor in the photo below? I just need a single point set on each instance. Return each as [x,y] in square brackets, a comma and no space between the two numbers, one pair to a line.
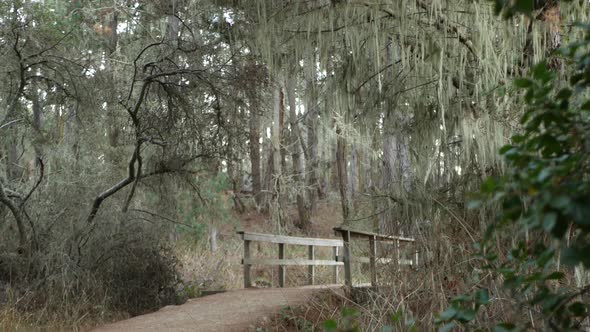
[237,310]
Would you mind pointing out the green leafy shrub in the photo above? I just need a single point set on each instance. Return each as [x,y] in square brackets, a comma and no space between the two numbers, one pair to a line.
[544,196]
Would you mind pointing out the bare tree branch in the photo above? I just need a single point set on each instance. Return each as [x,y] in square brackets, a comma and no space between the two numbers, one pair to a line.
[114,189]
[10,123]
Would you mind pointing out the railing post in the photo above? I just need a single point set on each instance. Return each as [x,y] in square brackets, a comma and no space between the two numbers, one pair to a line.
[247,282]
[372,258]
[335,276]
[310,268]
[282,269]
[347,256]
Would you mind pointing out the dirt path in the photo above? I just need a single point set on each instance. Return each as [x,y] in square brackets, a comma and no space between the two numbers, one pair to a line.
[238,310]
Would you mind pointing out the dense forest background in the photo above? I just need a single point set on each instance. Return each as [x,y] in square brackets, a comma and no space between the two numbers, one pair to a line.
[137,136]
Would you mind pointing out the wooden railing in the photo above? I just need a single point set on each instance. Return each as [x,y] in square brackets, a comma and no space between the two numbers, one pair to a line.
[348,235]
[346,260]
[282,262]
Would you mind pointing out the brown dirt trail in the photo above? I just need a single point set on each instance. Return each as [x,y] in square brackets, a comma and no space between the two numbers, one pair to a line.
[238,310]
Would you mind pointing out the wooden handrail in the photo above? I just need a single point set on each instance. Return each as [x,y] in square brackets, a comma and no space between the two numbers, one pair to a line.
[380,237]
[311,262]
[282,261]
[347,236]
[293,261]
[271,238]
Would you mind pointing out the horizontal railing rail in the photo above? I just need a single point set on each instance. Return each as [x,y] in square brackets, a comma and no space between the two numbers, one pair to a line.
[282,262]
[373,238]
[271,238]
[311,262]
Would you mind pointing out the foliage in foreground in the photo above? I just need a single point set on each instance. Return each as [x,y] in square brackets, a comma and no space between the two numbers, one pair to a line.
[545,215]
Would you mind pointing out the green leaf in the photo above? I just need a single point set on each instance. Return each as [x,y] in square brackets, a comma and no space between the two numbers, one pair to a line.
[505,327]
[460,298]
[524,6]
[550,301]
[549,221]
[330,325]
[578,309]
[517,139]
[466,315]
[473,204]
[397,316]
[523,83]
[554,276]
[560,202]
[488,185]
[482,297]
[580,209]
[505,149]
[541,72]
[564,93]
[544,174]
[585,106]
[448,314]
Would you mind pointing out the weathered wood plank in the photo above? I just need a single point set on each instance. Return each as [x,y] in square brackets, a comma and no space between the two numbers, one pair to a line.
[367,235]
[271,238]
[372,258]
[335,276]
[405,262]
[291,261]
[347,269]
[282,268]
[311,268]
[382,260]
[247,281]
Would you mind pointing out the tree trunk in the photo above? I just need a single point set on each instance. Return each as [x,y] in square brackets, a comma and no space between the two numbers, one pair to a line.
[276,151]
[37,125]
[282,128]
[389,181]
[342,174]
[72,129]
[312,137]
[111,46]
[353,172]
[255,150]
[173,23]
[302,208]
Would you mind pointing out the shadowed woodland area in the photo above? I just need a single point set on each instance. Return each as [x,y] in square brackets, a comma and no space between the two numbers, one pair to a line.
[137,137]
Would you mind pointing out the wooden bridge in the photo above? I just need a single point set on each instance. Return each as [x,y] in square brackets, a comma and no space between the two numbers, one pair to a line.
[242,309]
[345,260]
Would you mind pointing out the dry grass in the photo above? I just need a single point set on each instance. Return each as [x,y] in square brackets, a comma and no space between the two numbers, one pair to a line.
[203,270]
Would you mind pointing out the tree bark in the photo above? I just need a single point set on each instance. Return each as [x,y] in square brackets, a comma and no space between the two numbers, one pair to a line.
[312,136]
[276,149]
[302,208]
[342,174]
[173,24]
[389,175]
[37,124]
[111,46]
[255,150]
